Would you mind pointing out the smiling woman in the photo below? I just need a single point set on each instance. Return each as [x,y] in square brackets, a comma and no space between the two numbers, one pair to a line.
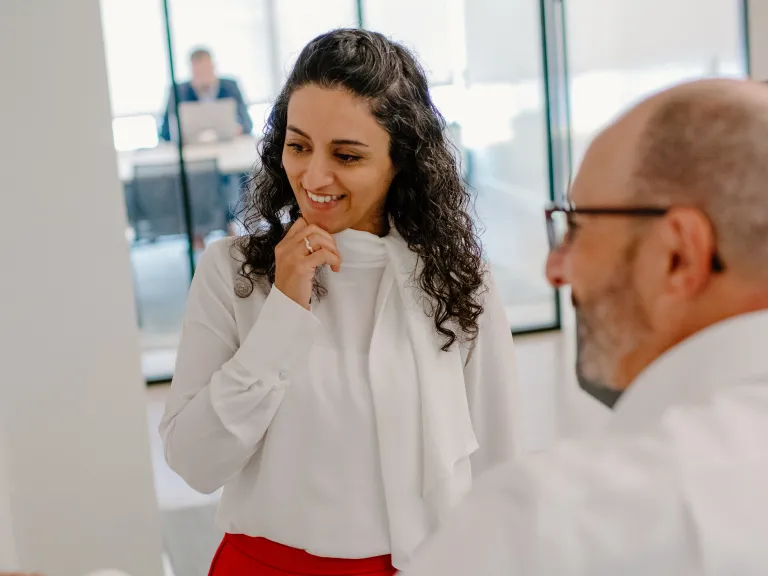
[343,377]
[336,158]
[360,87]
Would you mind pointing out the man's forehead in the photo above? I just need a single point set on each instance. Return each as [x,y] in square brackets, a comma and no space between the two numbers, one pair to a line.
[605,174]
[601,175]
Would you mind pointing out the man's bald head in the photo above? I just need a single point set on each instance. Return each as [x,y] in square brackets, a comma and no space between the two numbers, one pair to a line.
[705,144]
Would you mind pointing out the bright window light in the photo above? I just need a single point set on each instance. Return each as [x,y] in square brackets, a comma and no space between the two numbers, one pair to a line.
[134,132]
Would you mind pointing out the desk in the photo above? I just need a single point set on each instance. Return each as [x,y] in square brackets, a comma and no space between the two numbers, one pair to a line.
[234,157]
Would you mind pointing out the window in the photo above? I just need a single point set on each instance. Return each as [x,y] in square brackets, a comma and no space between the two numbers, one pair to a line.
[492,98]
[433,29]
[621,52]
[237,32]
[491,92]
[137,57]
[299,21]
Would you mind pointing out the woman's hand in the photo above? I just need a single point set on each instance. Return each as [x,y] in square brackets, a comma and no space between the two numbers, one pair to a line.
[295,264]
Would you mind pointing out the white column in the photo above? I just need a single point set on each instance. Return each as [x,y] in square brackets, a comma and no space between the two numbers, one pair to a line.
[76,491]
[8,556]
[758,38]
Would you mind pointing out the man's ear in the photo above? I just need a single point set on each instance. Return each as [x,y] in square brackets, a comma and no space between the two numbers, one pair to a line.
[689,239]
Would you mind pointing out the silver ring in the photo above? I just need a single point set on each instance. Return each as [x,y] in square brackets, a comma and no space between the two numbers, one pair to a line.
[308,245]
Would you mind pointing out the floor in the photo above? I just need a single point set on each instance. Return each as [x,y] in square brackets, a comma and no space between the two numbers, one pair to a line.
[552,406]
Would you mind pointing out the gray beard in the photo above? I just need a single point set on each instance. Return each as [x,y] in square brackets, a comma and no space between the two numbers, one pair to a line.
[597,390]
[611,328]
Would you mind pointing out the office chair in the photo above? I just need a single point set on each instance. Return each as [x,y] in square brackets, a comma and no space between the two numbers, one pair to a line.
[157,189]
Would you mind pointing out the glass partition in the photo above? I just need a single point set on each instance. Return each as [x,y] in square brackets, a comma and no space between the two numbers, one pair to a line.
[139,78]
[620,52]
[485,63]
[191,84]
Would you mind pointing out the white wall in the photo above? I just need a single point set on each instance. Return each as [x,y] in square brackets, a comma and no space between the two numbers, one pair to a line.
[75,450]
[626,34]
[758,26]
[621,52]
[503,41]
[8,557]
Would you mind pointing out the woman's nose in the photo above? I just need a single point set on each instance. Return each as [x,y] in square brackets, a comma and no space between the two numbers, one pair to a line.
[318,174]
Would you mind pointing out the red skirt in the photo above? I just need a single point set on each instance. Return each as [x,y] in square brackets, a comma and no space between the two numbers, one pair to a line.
[240,555]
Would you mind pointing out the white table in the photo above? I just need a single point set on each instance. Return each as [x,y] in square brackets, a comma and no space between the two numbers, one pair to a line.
[234,156]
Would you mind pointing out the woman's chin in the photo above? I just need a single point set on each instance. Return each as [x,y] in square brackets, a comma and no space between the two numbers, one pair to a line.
[325,221]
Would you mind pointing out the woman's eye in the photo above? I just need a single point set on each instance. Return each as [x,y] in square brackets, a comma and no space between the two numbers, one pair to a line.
[347,158]
[296,147]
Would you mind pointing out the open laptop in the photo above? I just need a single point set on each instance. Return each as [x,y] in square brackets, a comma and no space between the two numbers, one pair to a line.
[203,122]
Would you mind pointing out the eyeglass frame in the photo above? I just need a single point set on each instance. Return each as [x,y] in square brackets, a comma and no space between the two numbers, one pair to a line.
[627,211]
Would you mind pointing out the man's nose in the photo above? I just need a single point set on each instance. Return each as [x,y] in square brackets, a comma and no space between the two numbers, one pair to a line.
[556,268]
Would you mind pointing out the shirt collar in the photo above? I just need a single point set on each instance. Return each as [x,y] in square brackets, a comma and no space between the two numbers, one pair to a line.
[360,249]
[211,94]
[725,354]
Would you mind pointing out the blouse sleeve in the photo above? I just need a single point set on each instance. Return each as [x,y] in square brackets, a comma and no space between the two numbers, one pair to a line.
[224,394]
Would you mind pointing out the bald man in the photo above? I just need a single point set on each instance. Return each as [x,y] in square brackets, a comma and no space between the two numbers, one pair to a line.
[665,247]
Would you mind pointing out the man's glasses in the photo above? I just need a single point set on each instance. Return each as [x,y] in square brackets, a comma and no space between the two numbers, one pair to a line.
[560,216]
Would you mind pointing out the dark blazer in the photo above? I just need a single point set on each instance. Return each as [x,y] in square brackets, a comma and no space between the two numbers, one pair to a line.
[228,88]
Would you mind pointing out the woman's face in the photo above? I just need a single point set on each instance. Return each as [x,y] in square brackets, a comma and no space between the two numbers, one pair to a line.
[336,157]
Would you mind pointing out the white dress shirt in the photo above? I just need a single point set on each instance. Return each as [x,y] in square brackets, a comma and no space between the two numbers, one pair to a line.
[677,485]
[277,405]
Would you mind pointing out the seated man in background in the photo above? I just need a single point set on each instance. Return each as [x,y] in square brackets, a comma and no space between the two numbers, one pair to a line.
[206,86]
[666,253]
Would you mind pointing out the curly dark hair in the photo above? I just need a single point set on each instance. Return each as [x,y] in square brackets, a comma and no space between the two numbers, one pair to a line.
[427,201]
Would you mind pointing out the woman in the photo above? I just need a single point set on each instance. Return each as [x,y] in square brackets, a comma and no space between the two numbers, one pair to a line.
[337,378]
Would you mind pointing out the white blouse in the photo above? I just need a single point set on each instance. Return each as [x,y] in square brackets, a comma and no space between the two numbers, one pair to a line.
[275,404]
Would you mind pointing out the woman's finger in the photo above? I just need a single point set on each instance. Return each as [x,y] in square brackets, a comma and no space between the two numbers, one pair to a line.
[322,257]
[314,230]
[317,243]
[295,228]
